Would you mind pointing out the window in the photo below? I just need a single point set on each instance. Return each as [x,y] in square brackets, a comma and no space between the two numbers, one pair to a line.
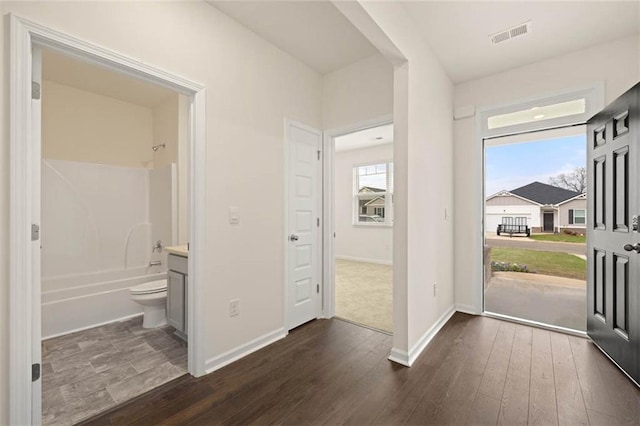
[373,193]
[577,217]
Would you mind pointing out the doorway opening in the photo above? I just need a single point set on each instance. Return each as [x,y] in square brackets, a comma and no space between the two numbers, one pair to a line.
[26,205]
[535,227]
[363,220]
[114,213]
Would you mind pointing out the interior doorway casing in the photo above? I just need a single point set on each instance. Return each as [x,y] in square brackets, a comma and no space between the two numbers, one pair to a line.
[24,277]
[594,101]
[328,211]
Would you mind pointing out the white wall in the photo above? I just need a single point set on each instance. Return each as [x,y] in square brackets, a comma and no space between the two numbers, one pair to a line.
[82,126]
[357,93]
[564,72]
[4,225]
[95,218]
[251,87]
[423,173]
[359,242]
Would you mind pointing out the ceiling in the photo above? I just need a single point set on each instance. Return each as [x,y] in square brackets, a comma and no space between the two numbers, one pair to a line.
[72,72]
[367,138]
[316,33]
[459,31]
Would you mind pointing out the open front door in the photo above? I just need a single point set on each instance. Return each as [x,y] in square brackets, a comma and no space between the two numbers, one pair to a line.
[303,242]
[613,243]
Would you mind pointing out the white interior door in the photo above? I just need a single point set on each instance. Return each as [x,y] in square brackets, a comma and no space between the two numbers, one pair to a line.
[303,200]
[36,338]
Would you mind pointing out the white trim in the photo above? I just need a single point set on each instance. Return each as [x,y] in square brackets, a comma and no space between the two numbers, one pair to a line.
[75,330]
[408,358]
[329,229]
[536,324]
[582,196]
[241,351]
[362,259]
[467,309]
[23,171]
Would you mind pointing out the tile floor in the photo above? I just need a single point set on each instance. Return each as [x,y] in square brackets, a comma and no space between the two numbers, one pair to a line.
[90,371]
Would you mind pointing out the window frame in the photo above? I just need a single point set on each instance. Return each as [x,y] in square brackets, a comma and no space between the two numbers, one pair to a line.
[388,195]
[583,217]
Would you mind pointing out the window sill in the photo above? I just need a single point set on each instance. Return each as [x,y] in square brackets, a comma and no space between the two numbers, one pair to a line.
[373,225]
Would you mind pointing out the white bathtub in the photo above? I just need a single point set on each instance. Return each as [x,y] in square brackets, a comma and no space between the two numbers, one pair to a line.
[78,302]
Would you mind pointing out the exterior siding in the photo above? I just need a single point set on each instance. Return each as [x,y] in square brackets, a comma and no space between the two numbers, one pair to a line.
[508,200]
[580,204]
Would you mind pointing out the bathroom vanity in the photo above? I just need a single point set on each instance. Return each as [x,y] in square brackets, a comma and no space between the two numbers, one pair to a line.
[177,284]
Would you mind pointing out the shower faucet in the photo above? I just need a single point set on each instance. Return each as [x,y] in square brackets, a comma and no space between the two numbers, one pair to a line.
[158,246]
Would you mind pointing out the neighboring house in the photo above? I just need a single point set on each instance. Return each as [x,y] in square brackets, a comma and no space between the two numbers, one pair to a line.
[545,208]
[373,206]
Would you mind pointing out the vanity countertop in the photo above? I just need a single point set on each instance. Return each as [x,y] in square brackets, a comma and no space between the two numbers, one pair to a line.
[178,250]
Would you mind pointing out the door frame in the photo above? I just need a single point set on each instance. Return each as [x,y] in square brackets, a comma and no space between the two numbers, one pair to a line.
[288,123]
[24,170]
[595,101]
[328,202]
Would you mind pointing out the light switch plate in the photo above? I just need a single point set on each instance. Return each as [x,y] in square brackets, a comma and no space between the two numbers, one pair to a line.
[234,215]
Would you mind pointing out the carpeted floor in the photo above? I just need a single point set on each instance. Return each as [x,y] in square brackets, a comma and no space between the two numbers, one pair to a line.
[364,294]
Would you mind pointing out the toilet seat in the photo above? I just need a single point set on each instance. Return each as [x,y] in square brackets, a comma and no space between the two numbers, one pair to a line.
[150,287]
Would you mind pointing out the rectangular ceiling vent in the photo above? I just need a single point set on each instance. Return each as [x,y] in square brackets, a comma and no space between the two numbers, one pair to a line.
[513,32]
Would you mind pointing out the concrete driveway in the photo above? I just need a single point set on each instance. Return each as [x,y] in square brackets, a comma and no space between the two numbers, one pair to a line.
[528,243]
[542,298]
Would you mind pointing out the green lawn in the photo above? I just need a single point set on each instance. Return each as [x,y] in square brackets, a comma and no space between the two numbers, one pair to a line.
[562,238]
[543,262]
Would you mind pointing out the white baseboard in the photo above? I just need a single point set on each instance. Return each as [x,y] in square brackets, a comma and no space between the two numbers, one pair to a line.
[125,318]
[241,351]
[408,358]
[361,259]
[467,309]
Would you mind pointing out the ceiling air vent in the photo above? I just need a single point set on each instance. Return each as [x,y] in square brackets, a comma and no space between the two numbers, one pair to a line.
[513,32]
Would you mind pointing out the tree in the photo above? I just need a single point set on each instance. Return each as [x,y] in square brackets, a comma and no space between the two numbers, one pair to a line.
[574,181]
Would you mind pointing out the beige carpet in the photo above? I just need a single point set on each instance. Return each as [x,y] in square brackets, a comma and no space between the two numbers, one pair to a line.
[364,294]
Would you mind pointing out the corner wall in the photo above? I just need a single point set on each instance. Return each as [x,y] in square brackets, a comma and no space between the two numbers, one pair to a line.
[561,73]
[357,93]
[423,173]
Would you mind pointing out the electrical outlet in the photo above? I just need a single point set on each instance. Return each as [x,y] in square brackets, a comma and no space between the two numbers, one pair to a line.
[435,289]
[234,307]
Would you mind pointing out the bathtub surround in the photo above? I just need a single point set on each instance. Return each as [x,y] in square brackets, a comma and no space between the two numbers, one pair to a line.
[88,372]
[99,225]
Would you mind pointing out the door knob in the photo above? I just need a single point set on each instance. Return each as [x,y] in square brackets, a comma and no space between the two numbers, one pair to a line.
[293,237]
[629,247]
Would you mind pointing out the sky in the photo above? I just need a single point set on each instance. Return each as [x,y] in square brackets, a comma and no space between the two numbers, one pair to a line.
[512,166]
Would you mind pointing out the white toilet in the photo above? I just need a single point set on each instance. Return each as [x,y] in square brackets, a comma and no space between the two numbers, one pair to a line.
[153,296]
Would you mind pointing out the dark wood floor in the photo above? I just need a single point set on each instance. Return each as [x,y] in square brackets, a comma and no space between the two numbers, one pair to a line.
[477,370]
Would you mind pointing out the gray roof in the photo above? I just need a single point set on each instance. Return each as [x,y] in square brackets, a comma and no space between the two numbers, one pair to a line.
[542,193]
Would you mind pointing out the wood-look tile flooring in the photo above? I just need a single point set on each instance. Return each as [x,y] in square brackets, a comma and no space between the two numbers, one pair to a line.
[90,371]
[476,370]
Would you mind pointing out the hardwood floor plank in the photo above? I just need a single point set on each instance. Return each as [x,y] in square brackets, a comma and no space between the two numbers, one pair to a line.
[484,410]
[495,373]
[438,402]
[542,395]
[400,407]
[571,408]
[330,372]
[514,407]
[624,395]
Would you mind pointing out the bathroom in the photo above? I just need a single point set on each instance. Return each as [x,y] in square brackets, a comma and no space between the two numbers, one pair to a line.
[114,208]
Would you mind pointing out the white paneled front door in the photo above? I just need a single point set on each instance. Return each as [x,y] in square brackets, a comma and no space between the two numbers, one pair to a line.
[303,201]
